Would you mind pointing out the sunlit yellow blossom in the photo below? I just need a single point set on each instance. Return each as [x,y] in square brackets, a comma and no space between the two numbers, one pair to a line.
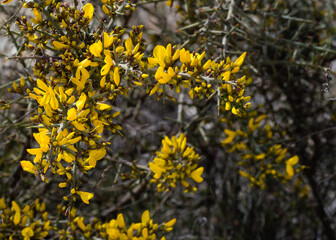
[196,175]
[163,56]
[240,60]
[81,74]
[95,155]
[28,167]
[17,215]
[59,45]
[46,96]
[175,163]
[43,139]
[96,48]
[116,76]
[108,40]
[38,16]
[27,233]
[108,64]
[85,196]
[88,10]
[169,225]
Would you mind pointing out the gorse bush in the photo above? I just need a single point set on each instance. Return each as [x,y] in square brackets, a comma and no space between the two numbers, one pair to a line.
[111,127]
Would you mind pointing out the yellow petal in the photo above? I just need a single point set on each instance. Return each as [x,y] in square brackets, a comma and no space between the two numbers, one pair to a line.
[196,174]
[170,223]
[81,224]
[81,102]
[28,167]
[72,114]
[59,45]
[107,40]
[116,77]
[88,11]
[155,88]
[290,170]
[156,170]
[129,46]
[27,232]
[96,48]
[103,107]
[121,221]
[17,215]
[42,85]
[145,217]
[240,60]
[85,196]
[293,160]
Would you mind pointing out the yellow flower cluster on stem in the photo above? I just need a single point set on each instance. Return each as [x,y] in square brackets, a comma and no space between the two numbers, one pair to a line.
[75,88]
[176,162]
[78,74]
[178,67]
[29,222]
[259,157]
[116,228]
[32,222]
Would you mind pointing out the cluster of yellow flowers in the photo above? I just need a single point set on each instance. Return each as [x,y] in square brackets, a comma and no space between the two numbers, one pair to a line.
[260,157]
[32,222]
[114,228]
[179,67]
[23,223]
[176,162]
[77,77]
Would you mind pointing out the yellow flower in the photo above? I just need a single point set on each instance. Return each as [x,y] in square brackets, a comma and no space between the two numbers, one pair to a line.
[27,233]
[175,163]
[230,136]
[289,165]
[81,102]
[85,196]
[82,75]
[116,76]
[88,10]
[145,218]
[46,96]
[103,107]
[28,167]
[38,16]
[163,56]
[108,64]
[96,48]
[162,77]
[43,140]
[185,57]
[240,60]
[129,46]
[80,223]
[120,221]
[95,155]
[17,215]
[108,40]
[196,175]
[59,45]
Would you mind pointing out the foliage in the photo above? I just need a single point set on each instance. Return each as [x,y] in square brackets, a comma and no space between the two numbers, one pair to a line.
[231,90]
